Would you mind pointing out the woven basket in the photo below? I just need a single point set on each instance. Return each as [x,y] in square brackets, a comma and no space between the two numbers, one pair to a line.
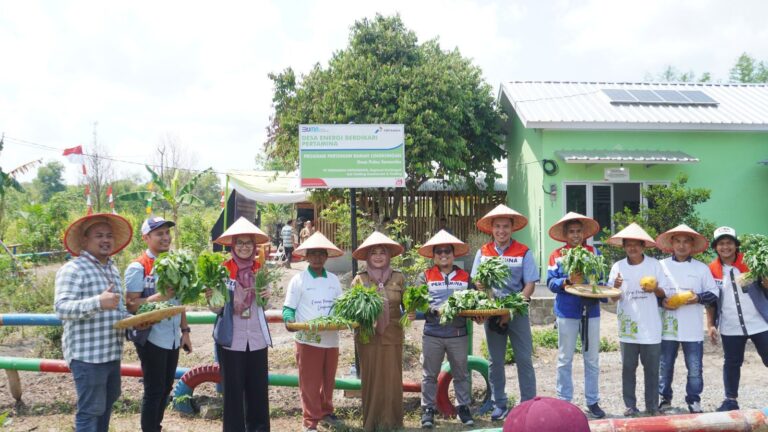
[584,290]
[149,317]
[327,327]
[483,312]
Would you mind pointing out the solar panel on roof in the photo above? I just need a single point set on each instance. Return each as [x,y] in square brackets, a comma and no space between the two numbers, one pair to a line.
[672,96]
[646,96]
[619,96]
[698,97]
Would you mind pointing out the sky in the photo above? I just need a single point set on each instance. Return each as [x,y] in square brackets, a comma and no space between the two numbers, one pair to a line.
[139,71]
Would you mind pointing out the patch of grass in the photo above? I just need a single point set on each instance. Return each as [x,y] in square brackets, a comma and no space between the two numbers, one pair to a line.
[544,338]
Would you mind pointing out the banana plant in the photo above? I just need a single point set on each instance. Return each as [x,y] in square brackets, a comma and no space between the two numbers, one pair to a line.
[174,194]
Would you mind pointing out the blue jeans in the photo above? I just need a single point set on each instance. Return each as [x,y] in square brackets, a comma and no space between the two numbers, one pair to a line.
[693,353]
[519,335]
[567,335]
[98,387]
[733,350]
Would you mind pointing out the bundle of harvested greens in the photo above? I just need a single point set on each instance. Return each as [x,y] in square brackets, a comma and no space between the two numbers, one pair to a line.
[176,269]
[464,300]
[579,263]
[415,299]
[262,279]
[515,303]
[492,273]
[153,306]
[333,322]
[211,274]
[755,248]
[361,305]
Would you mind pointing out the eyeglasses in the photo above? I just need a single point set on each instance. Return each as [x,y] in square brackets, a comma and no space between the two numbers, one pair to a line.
[244,244]
[443,251]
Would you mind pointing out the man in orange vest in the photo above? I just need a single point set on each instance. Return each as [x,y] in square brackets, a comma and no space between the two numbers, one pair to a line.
[157,346]
[501,222]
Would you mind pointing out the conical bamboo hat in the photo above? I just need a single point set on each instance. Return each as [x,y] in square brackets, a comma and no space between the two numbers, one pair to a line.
[318,241]
[443,238]
[664,240]
[485,224]
[242,226]
[122,232]
[377,239]
[632,232]
[590,226]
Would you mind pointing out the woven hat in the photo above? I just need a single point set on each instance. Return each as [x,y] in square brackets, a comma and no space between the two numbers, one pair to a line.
[485,224]
[633,231]
[590,226]
[443,238]
[546,414]
[377,239]
[241,226]
[664,241]
[318,241]
[122,231]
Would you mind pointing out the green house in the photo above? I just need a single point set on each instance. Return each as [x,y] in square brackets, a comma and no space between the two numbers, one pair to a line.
[589,147]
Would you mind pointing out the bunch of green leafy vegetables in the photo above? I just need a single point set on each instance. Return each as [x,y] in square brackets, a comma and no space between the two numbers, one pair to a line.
[176,270]
[320,323]
[415,299]
[464,300]
[212,274]
[514,302]
[153,306]
[579,260]
[755,249]
[492,273]
[262,280]
[361,305]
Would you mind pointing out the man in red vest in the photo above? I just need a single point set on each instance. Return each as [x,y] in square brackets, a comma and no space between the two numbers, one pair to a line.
[158,346]
[501,222]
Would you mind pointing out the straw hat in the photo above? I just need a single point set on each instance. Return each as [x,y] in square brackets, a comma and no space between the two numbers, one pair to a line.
[485,224]
[122,231]
[590,226]
[377,239]
[443,238]
[241,227]
[318,241]
[632,232]
[664,241]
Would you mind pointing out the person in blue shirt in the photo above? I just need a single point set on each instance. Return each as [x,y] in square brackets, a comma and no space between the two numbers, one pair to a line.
[576,316]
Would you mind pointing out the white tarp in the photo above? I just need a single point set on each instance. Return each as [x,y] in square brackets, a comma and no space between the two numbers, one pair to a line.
[276,187]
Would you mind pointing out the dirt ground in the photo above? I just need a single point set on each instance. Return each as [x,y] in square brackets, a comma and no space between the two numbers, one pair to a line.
[48,399]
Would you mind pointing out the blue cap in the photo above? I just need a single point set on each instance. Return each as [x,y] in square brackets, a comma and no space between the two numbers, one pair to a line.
[154,223]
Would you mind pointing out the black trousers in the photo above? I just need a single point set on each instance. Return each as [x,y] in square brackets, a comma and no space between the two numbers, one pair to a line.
[159,368]
[244,378]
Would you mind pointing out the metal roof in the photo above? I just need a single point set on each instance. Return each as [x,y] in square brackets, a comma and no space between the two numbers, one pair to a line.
[626,156]
[583,105]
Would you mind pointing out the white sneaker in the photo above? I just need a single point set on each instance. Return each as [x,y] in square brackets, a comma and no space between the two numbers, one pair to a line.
[695,408]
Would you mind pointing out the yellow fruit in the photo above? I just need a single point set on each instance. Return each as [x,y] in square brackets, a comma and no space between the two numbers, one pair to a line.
[680,299]
[648,283]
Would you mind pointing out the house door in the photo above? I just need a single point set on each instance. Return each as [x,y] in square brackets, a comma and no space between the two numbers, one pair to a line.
[601,201]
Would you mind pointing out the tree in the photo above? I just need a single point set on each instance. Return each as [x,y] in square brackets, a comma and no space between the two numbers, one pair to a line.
[453,124]
[668,207]
[8,182]
[171,156]
[99,172]
[671,74]
[174,194]
[749,70]
[49,180]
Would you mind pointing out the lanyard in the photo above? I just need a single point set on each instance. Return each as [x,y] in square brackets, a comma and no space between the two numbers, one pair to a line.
[738,304]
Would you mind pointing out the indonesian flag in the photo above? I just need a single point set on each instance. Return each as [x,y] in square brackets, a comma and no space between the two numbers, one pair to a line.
[88,200]
[75,156]
[222,201]
[111,199]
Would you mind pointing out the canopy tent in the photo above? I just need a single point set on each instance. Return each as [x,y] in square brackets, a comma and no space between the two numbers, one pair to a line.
[275,187]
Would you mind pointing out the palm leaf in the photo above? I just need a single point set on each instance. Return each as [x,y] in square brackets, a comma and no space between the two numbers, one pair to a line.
[188,199]
[156,179]
[137,196]
[187,188]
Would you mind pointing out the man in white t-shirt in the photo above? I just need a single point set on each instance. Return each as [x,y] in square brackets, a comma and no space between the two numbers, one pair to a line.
[638,315]
[312,294]
[683,325]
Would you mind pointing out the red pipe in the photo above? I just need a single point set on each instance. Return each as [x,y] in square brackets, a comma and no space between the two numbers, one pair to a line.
[745,420]
[129,370]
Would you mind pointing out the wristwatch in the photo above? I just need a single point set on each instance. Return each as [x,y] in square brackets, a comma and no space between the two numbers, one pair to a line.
[186,330]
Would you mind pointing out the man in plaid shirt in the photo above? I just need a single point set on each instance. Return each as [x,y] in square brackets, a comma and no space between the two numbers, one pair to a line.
[89,303]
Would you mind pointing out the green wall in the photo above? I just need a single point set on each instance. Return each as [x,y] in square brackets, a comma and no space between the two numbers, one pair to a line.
[728,167]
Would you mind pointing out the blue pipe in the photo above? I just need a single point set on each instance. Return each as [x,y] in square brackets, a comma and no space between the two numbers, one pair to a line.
[29,319]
